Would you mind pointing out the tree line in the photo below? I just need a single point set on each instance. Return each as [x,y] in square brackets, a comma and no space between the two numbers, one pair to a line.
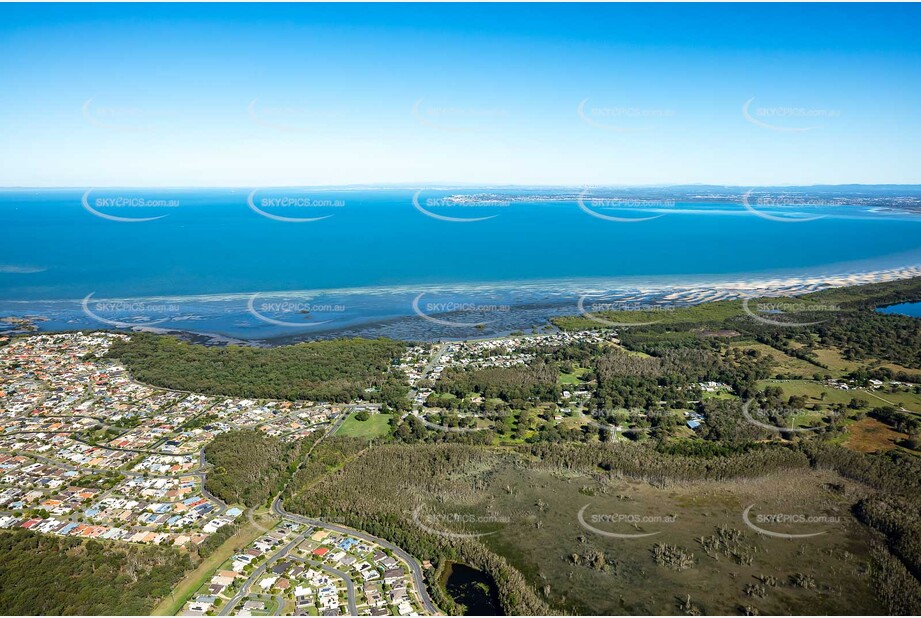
[48,575]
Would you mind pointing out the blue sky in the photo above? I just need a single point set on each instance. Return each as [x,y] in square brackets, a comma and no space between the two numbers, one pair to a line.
[259,95]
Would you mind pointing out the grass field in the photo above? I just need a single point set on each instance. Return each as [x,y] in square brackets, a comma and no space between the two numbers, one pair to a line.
[909,401]
[721,394]
[785,364]
[631,583]
[377,426]
[837,364]
[195,579]
[897,368]
[869,435]
[574,378]
[443,396]
[714,313]
[812,391]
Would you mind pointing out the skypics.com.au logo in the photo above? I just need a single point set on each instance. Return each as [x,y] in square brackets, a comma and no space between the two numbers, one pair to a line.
[787,309]
[790,208]
[787,119]
[440,524]
[618,522]
[621,119]
[116,117]
[293,207]
[458,207]
[782,420]
[791,521]
[292,312]
[606,313]
[129,313]
[451,306]
[603,207]
[126,208]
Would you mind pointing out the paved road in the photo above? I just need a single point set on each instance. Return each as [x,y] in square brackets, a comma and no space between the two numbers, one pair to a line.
[259,572]
[335,426]
[433,362]
[202,474]
[244,589]
[278,509]
[415,567]
[142,451]
[439,352]
[349,583]
[72,466]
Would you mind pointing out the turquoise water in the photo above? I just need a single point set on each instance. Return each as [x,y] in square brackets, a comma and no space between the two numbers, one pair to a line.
[372,251]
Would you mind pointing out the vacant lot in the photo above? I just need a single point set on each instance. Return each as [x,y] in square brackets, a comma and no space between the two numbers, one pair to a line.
[870,436]
[785,364]
[837,364]
[377,425]
[574,378]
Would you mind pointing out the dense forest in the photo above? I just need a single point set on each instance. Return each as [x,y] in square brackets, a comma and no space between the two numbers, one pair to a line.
[630,381]
[869,334]
[869,296]
[860,333]
[249,466]
[336,370]
[48,575]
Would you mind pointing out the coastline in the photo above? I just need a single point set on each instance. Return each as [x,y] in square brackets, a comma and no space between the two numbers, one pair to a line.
[515,306]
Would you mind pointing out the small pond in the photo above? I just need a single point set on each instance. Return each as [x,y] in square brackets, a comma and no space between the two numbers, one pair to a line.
[472,588]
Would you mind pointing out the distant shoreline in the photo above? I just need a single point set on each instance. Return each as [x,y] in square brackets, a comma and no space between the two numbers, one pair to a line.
[691,295]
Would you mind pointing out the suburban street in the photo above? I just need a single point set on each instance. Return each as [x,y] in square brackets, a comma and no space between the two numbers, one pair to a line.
[255,575]
[414,566]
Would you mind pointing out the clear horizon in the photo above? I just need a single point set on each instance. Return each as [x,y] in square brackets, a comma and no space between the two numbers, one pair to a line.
[228,96]
[467,185]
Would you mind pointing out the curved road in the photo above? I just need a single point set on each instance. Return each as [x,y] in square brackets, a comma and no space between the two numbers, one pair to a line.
[414,565]
[255,575]
[202,474]
[278,509]
[349,584]
[244,589]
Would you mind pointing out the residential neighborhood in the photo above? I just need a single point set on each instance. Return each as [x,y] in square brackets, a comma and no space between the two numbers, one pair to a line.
[422,368]
[302,570]
[87,452]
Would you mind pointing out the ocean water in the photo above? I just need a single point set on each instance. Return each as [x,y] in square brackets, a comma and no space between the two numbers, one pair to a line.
[293,262]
